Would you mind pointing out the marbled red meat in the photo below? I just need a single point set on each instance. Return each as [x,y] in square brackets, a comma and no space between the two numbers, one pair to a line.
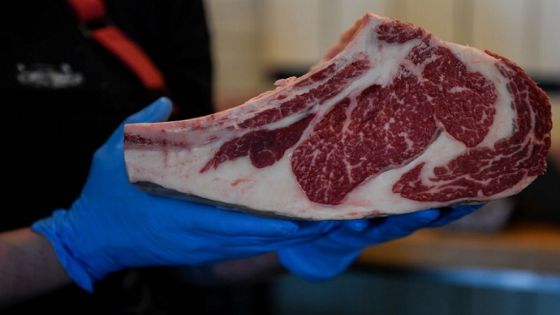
[391,121]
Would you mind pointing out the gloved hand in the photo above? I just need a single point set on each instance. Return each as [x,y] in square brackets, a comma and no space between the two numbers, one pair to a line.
[113,225]
[328,256]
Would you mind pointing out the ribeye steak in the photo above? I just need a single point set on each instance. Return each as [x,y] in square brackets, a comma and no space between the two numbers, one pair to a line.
[392,120]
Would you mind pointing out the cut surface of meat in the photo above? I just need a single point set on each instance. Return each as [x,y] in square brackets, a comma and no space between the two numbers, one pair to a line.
[392,120]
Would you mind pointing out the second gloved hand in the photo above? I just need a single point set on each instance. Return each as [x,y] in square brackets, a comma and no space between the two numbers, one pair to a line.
[113,225]
[331,254]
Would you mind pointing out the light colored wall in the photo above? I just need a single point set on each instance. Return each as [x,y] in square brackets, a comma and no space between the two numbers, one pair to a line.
[253,36]
[234,27]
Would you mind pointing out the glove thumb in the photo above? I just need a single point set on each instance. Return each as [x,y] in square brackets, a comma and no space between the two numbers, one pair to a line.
[155,112]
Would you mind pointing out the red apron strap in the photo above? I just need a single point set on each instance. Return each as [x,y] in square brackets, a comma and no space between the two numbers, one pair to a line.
[130,54]
[88,12]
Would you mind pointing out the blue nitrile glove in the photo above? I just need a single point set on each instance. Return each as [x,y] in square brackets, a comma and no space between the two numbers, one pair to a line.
[331,254]
[113,225]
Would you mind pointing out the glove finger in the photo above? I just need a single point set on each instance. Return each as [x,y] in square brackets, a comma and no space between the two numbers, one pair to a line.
[448,215]
[271,242]
[397,226]
[267,244]
[317,227]
[212,220]
[155,112]
[313,264]
[356,226]
[348,233]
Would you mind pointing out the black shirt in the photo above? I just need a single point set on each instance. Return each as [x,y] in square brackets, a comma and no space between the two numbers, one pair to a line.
[62,96]
[56,126]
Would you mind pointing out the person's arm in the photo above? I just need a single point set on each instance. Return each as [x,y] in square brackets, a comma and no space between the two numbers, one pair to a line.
[28,266]
[113,225]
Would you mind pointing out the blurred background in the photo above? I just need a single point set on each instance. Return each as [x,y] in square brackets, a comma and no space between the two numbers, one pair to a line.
[505,259]
[255,40]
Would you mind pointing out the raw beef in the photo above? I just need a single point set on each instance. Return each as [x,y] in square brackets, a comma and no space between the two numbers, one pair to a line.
[391,121]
